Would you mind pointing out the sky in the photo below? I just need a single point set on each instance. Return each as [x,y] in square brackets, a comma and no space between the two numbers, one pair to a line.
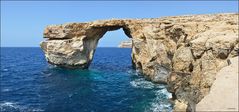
[23,22]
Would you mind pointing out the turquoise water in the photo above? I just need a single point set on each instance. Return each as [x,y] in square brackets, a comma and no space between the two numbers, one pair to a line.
[29,83]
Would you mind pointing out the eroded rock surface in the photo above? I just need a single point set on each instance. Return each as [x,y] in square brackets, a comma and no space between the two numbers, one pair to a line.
[185,52]
[223,95]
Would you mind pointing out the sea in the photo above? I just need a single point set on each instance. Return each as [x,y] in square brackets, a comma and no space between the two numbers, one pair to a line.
[30,84]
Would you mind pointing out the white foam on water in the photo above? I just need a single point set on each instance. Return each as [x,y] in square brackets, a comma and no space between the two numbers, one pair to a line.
[9,104]
[164,92]
[12,106]
[158,105]
[133,72]
[141,83]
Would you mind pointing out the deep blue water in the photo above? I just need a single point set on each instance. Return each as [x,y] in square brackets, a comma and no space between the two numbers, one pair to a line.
[29,83]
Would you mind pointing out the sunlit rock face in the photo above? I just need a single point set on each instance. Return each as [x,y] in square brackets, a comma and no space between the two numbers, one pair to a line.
[183,51]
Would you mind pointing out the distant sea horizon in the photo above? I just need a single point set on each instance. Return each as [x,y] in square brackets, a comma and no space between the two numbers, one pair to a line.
[39,47]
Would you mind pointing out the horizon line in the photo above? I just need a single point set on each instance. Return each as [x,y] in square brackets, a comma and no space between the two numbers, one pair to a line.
[40,47]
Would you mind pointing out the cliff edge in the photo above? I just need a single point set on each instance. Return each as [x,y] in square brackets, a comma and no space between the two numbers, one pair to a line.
[223,95]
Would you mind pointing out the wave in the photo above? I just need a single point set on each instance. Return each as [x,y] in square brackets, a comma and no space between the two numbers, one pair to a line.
[142,83]
[159,104]
[14,107]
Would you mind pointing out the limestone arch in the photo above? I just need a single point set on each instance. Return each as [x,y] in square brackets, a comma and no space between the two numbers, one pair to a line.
[73,45]
[95,34]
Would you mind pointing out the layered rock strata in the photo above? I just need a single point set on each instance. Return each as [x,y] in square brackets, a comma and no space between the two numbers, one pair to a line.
[185,52]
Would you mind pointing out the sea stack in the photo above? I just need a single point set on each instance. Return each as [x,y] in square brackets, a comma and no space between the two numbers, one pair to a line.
[126,44]
[185,52]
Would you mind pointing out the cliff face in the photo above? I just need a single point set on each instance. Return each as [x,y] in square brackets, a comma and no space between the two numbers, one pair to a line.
[184,51]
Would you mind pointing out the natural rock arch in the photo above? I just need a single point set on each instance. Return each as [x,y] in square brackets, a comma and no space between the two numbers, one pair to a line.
[184,51]
[73,44]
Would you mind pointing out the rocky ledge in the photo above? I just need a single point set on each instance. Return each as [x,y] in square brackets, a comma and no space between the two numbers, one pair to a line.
[185,52]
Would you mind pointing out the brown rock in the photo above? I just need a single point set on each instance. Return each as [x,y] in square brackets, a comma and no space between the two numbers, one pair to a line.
[193,48]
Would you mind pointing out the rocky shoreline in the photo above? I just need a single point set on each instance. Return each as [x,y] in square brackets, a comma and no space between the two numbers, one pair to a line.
[186,52]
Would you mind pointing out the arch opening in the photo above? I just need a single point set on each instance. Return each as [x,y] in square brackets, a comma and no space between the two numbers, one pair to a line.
[108,48]
[112,38]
